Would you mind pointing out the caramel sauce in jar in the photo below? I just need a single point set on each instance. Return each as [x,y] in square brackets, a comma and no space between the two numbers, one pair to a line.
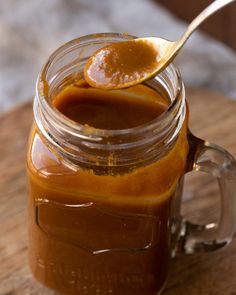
[99,223]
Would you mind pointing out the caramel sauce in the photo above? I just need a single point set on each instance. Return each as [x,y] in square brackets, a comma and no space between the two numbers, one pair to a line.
[119,64]
[103,234]
[111,110]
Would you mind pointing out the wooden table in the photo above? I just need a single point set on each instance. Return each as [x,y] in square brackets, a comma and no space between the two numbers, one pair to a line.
[213,117]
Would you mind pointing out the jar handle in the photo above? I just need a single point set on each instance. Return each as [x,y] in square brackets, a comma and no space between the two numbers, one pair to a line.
[216,161]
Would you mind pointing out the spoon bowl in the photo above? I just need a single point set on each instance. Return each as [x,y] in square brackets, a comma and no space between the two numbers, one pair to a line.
[128,63]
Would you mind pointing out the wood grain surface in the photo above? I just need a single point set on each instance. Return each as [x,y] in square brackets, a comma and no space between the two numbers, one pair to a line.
[212,118]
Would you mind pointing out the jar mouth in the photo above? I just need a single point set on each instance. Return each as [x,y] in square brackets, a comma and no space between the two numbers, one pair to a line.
[105,151]
[76,128]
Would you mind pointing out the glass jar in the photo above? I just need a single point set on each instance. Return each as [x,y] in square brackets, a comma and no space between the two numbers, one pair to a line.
[104,205]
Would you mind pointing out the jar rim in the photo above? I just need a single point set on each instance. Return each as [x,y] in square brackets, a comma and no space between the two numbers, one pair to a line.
[76,127]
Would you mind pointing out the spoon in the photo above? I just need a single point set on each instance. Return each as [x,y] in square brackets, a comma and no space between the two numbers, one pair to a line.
[128,63]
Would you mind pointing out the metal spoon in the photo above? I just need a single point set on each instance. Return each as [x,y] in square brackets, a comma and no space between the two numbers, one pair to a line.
[128,63]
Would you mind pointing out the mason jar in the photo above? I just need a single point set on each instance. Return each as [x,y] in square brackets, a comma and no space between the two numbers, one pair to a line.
[104,205]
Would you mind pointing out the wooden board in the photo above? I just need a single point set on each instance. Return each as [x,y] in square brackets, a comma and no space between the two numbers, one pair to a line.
[212,117]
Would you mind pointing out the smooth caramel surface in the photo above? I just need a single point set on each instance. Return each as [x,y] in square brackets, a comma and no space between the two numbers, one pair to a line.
[117,65]
[110,110]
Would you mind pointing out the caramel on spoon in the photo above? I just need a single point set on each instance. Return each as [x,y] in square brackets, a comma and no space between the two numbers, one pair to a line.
[127,63]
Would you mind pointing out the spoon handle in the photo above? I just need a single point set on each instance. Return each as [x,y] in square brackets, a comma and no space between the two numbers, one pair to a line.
[208,11]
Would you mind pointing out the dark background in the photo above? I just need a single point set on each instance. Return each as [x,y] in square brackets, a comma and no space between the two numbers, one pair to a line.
[222,26]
